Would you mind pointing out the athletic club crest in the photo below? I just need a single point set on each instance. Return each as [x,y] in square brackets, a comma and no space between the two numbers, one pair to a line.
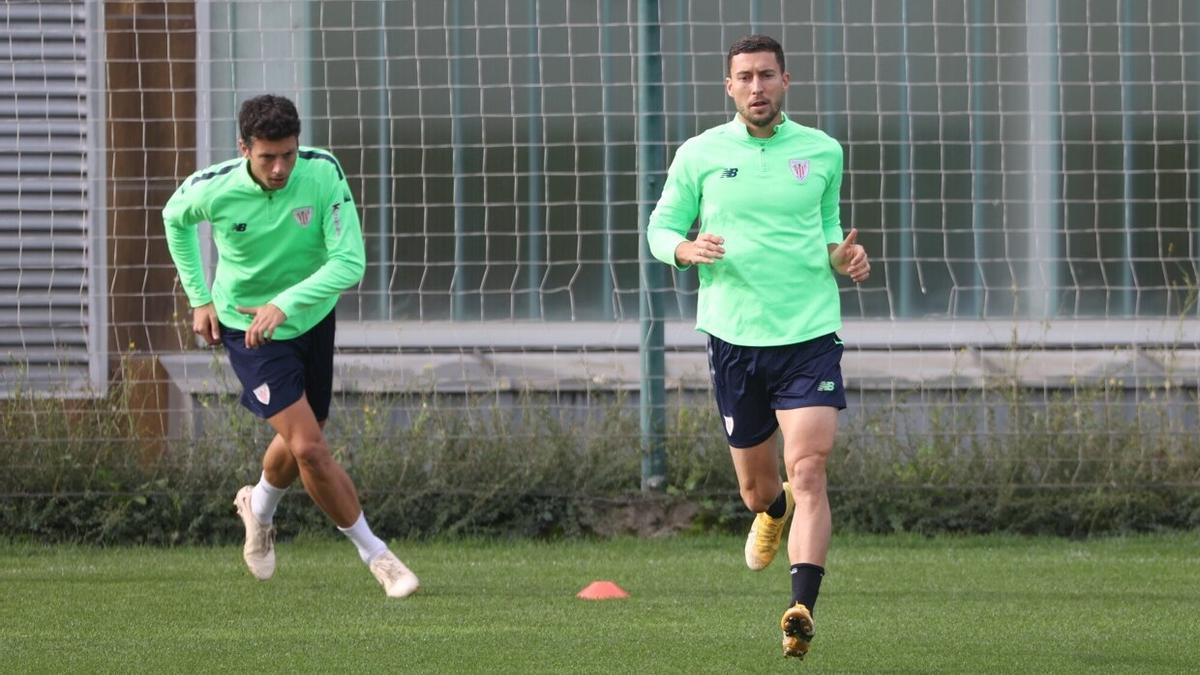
[303,215]
[263,393]
[800,169]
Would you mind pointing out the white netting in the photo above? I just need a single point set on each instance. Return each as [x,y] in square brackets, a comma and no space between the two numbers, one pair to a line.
[1021,160]
[1024,175]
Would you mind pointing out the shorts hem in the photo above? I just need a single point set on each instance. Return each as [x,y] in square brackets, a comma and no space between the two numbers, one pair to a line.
[796,405]
[760,438]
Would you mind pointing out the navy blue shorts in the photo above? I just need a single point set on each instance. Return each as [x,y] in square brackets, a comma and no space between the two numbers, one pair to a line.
[276,374]
[751,383]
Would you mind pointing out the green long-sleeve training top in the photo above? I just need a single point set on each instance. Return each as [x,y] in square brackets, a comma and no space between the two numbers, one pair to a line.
[775,201]
[296,248]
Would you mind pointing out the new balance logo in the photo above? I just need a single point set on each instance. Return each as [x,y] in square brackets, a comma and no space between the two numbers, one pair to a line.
[731,172]
[337,218]
[239,227]
[826,385]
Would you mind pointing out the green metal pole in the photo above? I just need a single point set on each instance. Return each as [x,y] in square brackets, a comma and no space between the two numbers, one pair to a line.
[908,248]
[1190,99]
[651,167]
[458,163]
[383,226]
[979,146]
[1045,165]
[608,308]
[1127,291]
[533,193]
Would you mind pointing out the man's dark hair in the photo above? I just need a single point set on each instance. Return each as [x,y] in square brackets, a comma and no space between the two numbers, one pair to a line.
[754,43]
[271,118]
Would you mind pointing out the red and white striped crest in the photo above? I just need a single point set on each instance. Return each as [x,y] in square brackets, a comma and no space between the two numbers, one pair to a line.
[800,169]
[303,215]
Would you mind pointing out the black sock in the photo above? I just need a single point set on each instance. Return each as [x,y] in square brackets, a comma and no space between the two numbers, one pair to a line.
[779,506]
[806,583]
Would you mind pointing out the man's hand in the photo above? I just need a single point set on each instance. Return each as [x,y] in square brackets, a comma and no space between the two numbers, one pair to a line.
[266,319]
[707,249]
[205,324]
[850,258]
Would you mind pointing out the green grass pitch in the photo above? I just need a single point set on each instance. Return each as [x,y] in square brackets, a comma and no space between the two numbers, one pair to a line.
[899,604]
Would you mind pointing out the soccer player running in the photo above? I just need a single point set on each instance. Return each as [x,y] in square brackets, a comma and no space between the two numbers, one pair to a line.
[288,240]
[765,189]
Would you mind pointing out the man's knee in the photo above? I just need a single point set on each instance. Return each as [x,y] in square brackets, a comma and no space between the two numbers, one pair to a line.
[310,452]
[807,474]
[755,502]
[757,497]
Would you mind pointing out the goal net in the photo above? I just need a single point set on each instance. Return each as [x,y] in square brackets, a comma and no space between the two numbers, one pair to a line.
[1023,174]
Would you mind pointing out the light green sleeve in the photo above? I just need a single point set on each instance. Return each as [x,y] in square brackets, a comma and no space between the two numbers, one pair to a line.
[183,212]
[346,259]
[676,210]
[831,212]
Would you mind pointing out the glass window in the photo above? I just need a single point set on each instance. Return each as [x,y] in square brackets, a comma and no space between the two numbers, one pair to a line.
[1025,160]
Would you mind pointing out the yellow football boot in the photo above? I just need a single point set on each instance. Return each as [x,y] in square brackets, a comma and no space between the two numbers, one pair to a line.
[797,625]
[765,534]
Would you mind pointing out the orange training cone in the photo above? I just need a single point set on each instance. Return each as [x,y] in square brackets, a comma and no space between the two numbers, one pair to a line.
[602,590]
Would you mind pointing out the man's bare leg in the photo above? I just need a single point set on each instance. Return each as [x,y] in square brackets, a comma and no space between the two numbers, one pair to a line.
[807,441]
[757,470]
[279,466]
[763,493]
[300,449]
[301,436]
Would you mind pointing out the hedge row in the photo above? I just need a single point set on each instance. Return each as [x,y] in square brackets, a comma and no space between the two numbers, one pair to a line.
[76,471]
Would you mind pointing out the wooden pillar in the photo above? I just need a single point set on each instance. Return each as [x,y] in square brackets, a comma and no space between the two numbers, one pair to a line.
[151,104]
[150,73]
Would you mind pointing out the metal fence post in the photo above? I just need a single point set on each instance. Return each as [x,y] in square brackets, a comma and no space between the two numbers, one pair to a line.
[651,170]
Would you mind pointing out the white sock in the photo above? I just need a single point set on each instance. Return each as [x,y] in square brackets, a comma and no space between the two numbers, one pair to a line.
[369,546]
[264,499]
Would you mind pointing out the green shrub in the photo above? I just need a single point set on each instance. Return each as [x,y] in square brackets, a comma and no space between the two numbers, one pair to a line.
[1015,460]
